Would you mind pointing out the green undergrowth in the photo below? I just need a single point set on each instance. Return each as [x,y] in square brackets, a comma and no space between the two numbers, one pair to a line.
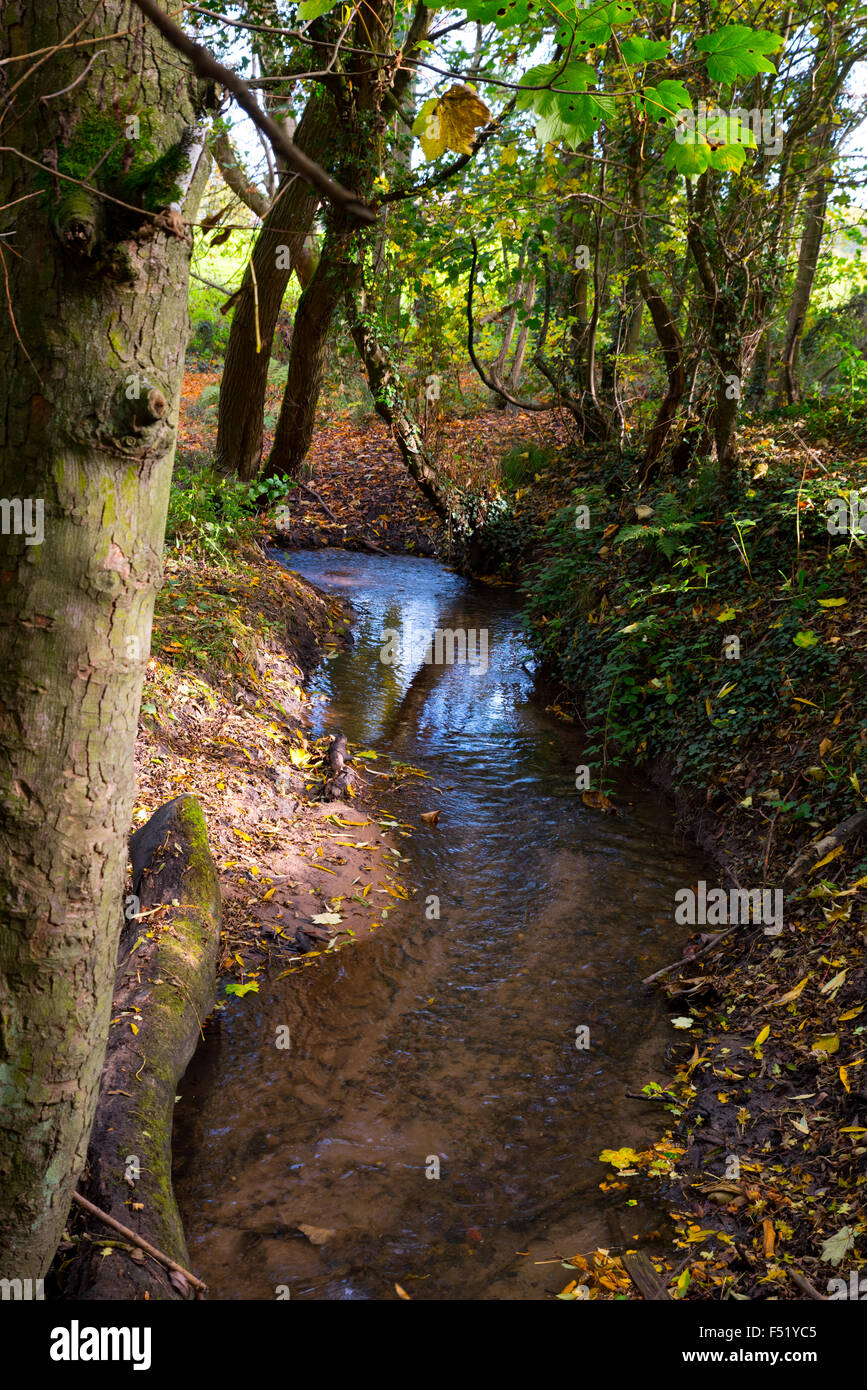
[696,628]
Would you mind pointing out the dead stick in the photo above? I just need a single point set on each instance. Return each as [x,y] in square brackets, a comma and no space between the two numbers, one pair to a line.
[316,498]
[806,1287]
[686,960]
[139,1241]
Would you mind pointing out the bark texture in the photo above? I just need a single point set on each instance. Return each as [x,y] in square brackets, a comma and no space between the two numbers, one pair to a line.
[92,339]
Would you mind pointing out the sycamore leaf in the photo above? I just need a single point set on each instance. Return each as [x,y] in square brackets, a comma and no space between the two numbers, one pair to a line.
[727,159]
[241,990]
[662,103]
[450,121]
[736,51]
[619,1158]
[690,159]
[641,50]
[503,13]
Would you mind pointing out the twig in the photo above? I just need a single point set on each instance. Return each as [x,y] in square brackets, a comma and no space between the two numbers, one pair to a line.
[142,1244]
[806,1287]
[317,498]
[686,960]
[80,78]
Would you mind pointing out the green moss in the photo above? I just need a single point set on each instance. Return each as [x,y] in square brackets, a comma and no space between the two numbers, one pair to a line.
[131,169]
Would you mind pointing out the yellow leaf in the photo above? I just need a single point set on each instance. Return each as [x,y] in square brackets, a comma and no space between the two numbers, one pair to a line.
[269,895]
[133,1027]
[828,1042]
[844,1077]
[792,994]
[709,708]
[298,758]
[763,1036]
[401,1293]
[450,123]
[828,857]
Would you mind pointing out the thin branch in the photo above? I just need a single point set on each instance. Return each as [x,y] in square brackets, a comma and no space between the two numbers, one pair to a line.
[205,65]
[142,1244]
[471,349]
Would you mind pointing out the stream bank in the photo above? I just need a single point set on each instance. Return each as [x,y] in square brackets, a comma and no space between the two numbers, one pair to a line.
[724,652]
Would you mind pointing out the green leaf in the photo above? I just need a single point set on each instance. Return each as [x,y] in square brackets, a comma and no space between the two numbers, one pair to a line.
[837,1247]
[688,159]
[736,51]
[805,639]
[641,50]
[728,159]
[662,103]
[503,13]
[241,990]
[313,9]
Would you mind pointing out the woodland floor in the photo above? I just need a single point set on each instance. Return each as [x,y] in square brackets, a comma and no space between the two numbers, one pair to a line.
[762,1137]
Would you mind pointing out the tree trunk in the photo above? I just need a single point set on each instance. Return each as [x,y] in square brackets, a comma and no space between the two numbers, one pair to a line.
[90,375]
[516,371]
[281,246]
[808,255]
[310,331]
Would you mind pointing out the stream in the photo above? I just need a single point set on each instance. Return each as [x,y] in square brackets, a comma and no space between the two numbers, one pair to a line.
[449,1039]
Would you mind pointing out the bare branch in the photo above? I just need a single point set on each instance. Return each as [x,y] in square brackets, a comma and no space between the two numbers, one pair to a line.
[206,66]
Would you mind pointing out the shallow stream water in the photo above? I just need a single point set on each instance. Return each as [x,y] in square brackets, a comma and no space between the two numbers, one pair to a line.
[453,1038]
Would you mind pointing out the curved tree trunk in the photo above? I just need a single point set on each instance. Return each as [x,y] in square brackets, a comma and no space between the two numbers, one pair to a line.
[389,398]
[90,376]
[281,246]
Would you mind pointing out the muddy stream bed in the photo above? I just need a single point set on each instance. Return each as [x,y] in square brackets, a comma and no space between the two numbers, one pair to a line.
[449,1039]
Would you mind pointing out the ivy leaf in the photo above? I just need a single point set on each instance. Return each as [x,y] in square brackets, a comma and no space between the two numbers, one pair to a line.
[737,51]
[450,122]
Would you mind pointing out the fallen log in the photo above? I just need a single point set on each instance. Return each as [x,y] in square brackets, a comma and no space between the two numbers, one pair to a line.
[164,989]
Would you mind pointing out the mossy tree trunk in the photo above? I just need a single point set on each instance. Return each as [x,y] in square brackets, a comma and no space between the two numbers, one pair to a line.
[92,343]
